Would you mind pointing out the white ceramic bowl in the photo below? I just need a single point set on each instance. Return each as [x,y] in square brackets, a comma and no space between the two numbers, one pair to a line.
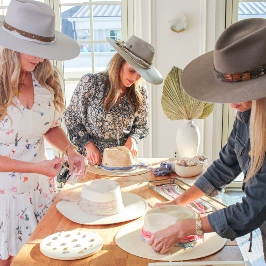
[172,162]
[188,171]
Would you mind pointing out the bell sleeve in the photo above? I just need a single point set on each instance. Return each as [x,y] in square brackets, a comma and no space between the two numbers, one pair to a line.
[140,127]
[76,113]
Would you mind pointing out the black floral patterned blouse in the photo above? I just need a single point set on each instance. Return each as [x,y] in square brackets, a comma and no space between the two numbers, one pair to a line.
[86,119]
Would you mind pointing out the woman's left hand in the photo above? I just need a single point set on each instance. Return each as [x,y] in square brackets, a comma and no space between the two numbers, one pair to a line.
[131,145]
[78,162]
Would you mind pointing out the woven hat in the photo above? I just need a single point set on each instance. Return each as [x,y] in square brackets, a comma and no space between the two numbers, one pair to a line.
[118,161]
[105,195]
[29,27]
[130,237]
[139,54]
[235,70]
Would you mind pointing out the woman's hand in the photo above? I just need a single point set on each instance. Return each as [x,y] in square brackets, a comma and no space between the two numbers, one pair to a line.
[131,145]
[162,204]
[93,154]
[77,162]
[49,168]
[164,240]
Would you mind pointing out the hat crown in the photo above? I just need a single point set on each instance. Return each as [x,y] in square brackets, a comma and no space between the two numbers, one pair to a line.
[101,197]
[241,46]
[140,48]
[157,219]
[42,18]
[118,156]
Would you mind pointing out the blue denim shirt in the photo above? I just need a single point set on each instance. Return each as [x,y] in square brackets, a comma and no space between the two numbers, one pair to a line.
[241,218]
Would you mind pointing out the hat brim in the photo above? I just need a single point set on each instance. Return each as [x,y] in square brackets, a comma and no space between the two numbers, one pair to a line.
[134,207]
[151,74]
[200,82]
[134,171]
[128,238]
[63,48]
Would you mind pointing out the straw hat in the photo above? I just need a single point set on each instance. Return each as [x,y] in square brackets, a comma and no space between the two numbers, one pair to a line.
[29,27]
[129,238]
[139,54]
[117,161]
[104,204]
[235,70]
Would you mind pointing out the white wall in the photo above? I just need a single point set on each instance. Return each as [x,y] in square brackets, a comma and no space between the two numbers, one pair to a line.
[176,49]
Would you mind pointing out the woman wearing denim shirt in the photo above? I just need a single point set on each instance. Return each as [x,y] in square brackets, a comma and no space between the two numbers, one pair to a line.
[234,71]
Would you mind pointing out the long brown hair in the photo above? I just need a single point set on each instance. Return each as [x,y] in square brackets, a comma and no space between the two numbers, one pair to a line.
[10,68]
[114,83]
[257,136]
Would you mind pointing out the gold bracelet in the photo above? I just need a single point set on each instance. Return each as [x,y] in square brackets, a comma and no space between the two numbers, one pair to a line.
[69,145]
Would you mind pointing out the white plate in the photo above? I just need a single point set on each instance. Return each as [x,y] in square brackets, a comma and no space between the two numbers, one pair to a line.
[71,245]
[135,206]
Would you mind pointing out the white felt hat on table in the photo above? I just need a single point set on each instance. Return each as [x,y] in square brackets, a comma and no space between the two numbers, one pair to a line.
[129,238]
[104,193]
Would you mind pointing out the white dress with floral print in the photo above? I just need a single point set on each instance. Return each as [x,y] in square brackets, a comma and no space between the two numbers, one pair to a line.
[24,197]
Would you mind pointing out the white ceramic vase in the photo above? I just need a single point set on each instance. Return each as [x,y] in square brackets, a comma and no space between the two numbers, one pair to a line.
[188,139]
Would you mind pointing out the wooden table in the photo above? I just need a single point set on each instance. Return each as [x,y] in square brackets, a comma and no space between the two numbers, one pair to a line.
[111,254]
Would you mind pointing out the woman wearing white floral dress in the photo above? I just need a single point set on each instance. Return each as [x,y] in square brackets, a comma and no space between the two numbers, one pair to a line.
[31,104]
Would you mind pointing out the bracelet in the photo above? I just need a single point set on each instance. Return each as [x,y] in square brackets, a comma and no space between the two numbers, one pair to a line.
[69,145]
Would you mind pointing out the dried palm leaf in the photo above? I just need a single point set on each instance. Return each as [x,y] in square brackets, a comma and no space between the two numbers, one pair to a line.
[177,104]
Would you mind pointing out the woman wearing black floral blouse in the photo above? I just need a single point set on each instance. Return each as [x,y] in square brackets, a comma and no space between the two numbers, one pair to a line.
[111,108]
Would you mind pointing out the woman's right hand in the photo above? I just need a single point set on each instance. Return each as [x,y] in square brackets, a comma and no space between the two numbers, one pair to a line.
[93,154]
[50,168]
[162,204]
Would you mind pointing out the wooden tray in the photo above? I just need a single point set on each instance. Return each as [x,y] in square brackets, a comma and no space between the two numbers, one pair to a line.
[163,186]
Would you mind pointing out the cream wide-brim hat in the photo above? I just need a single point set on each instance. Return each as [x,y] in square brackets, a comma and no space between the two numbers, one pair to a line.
[239,49]
[134,207]
[27,22]
[135,51]
[129,237]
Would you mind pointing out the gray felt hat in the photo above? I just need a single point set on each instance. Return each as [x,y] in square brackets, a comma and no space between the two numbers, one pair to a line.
[139,54]
[29,27]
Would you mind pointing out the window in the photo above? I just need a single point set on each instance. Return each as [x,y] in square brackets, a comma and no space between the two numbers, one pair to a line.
[115,35]
[89,24]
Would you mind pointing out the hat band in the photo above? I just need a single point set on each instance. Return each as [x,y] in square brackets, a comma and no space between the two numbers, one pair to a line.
[254,73]
[141,62]
[28,35]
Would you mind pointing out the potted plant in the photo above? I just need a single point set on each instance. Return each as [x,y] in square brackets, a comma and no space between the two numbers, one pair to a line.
[178,105]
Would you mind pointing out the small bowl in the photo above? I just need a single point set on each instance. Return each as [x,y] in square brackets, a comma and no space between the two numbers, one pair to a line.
[188,171]
[172,162]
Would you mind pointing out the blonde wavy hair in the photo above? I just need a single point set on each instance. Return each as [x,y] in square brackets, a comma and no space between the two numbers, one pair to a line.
[257,136]
[113,78]
[10,68]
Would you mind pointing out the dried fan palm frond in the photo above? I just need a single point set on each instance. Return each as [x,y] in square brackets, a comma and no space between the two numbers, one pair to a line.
[177,104]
